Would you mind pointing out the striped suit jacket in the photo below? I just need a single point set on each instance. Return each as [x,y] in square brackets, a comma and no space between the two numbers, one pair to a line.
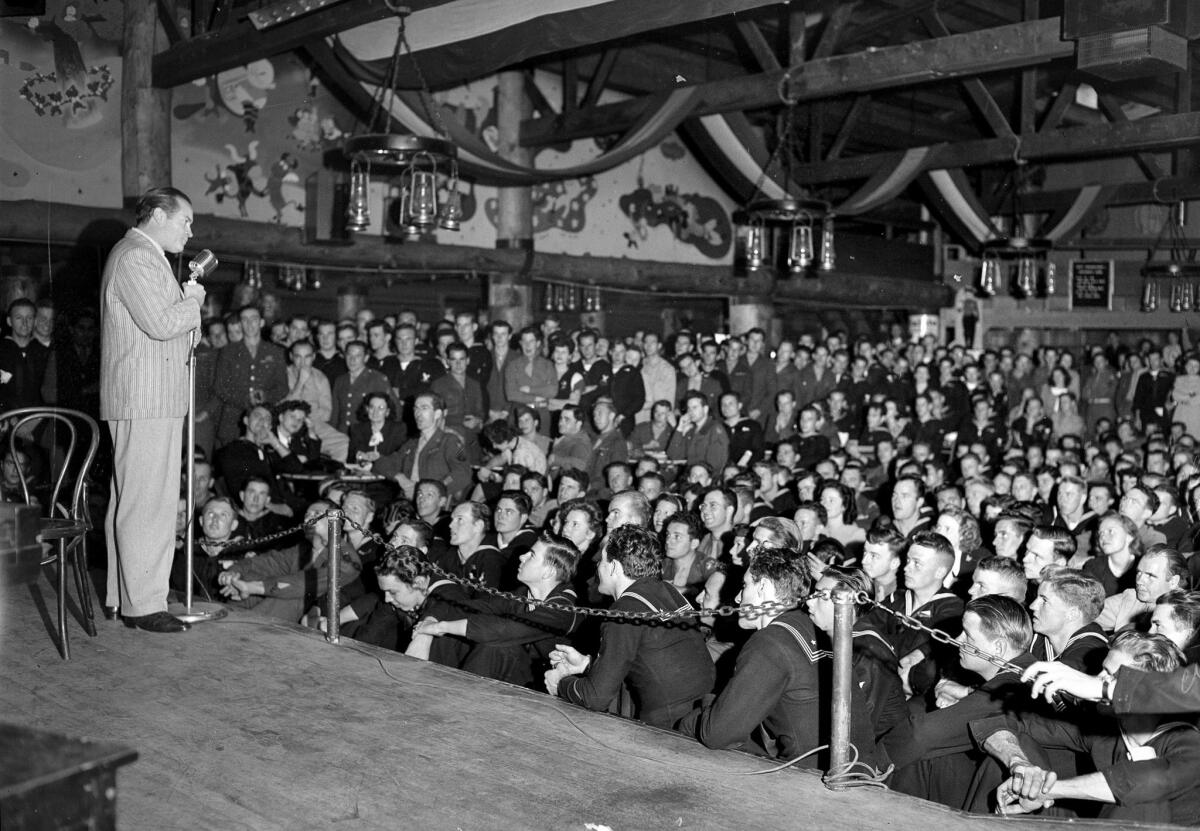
[144,340]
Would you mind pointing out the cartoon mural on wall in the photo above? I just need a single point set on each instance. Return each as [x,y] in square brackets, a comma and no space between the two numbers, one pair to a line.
[693,219]
[247,140]
[561,205]
[654,206]
[59,82]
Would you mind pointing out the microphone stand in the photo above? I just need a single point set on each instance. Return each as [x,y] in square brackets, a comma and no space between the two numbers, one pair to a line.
[214,611]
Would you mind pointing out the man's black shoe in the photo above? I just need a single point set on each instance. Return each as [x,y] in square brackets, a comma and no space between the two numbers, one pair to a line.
[157,622]
[111,612]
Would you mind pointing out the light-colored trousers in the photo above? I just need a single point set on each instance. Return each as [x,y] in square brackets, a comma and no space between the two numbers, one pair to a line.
[140,526]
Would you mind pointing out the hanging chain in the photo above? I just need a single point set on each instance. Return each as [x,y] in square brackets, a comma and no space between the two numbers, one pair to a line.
[940,636]
[772,607]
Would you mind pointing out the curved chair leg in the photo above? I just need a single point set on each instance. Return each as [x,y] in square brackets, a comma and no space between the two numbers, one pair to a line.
[82,585]
[62,600]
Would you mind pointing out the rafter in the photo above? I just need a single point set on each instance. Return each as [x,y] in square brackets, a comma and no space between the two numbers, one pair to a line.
[239,42]
[1113,112]
[752,37]
[976,91]
[937,59]
[600,78]
[1165,132]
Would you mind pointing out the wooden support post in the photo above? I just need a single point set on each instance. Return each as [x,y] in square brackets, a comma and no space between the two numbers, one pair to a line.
[509,296]
[145,116]
[746,313]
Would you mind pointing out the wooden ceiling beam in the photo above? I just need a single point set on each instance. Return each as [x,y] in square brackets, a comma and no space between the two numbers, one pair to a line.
[835,26]
[240,43]
[1164,191]
[1166,132]
[937,59]
[1111,108]
[600,78]
[972,86]
[764,56]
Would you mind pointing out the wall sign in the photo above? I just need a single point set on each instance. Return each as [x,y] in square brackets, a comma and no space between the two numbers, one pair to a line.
[1091,284]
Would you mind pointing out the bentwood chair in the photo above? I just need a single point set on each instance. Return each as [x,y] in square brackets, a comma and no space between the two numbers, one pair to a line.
[66,518]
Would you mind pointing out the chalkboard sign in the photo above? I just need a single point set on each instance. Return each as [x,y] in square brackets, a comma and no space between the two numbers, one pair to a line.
[1091,284]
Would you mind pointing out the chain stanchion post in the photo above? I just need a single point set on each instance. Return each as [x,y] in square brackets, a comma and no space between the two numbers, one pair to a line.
[333,551]
[843,674]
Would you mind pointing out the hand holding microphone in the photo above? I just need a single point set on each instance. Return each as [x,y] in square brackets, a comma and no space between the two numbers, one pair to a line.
[202,265]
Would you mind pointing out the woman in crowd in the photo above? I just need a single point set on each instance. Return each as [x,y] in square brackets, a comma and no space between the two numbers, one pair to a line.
[376,433]
[841,506]
[1185,394]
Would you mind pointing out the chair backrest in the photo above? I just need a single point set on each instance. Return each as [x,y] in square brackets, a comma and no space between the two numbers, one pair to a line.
[69,474]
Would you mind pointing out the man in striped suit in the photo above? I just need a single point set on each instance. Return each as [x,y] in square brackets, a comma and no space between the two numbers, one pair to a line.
[146,322]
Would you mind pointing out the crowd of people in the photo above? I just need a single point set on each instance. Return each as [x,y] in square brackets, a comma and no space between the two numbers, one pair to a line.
[1030,512]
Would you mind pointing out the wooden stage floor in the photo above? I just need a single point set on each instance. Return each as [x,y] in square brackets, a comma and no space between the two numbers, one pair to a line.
[247,724]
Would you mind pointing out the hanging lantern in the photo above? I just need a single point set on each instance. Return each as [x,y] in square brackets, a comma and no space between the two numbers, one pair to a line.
[1027,276]
[548,298]
[800,246]
[828,258]
[756,245]
[414,158]
[572,298]
[1149,296]
[358,210]
[451,214]
[1185,296]
[989,276]
[1051,282]
[421,208]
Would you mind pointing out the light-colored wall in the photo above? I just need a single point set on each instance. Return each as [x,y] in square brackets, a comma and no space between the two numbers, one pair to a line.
[244,142]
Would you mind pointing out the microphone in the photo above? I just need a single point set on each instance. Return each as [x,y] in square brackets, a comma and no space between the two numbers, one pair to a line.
[202,265]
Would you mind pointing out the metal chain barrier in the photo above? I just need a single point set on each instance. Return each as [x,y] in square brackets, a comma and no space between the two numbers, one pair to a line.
[616,614]
[258,541]
[587,611]
[938,635]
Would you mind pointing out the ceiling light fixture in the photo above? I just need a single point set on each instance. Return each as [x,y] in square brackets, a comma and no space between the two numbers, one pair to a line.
[421,160]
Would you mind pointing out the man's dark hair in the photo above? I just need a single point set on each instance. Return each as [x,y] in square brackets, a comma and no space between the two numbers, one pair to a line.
[816,507]
[936,542]
[518,498]
[442,490]
[480,513]
[579,477]
[404,563]
[880,534]
[290,404]
[534,476]
[786,572]
[420,527]
[917,481]
[637,550]
[1003,618]
[499,432]
[695,528]
[168,199]
[21,303]
[561,554]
